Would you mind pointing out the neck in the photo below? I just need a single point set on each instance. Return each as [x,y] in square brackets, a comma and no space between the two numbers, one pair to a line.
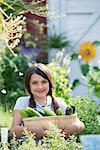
[41,101]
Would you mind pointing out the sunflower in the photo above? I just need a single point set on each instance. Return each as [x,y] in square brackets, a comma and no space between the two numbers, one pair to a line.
[87,51]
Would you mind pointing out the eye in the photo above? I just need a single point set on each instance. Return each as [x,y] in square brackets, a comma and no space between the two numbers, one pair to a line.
[45,81]
[34,82]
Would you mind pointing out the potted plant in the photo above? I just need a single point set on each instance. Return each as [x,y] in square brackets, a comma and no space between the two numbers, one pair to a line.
[56,42]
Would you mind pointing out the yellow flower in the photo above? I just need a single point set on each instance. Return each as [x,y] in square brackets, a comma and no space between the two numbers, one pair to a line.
[87,51]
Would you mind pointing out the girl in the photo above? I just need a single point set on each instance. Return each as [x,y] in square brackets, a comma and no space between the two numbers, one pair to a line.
[38,83]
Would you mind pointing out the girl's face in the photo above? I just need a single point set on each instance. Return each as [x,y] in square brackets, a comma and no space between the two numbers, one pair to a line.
[39,86]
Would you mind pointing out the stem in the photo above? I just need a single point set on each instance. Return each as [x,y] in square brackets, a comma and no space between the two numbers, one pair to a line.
[3,12]
[10,50]
[4,144]
[86,85]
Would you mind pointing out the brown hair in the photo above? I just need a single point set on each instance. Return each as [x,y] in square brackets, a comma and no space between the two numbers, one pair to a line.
[43,71]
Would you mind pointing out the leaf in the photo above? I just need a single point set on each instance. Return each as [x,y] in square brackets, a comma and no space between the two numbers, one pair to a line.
[57,41]
[96,68]
[75,83]
[74,56]
[85,69]
[96,43]
[97,91]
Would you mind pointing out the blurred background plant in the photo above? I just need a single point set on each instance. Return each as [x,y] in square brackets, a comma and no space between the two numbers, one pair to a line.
[57,40]
[33,45]
[60,70]
[10,30]
[87,109]
[12,22]
[20,19]
[93,79]
[12,69]
[13,65]
[18,7]
[38,38]
[7,118]
[90,73]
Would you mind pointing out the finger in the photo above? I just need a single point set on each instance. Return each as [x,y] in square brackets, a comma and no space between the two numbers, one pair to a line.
[45,128]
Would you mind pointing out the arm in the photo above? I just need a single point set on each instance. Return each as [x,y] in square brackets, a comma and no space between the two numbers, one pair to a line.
[18,129]
[76,126]
[16,124]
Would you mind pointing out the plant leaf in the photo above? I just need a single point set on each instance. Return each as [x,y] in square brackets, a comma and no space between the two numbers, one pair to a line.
[85,69]
[76,82]
[97,43]
[74,56]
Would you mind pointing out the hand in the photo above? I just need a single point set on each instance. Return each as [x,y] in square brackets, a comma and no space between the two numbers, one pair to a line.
[69,130]
[39,131]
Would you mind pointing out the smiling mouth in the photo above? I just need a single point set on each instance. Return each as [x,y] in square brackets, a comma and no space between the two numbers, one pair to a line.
[41,91]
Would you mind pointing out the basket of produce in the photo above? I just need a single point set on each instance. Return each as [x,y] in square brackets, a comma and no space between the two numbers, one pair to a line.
[33,118]
[59,121]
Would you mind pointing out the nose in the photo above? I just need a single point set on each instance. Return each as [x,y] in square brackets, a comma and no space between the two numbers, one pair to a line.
[40,86]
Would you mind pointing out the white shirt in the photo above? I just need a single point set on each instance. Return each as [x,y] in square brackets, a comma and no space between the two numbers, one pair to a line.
[23,102]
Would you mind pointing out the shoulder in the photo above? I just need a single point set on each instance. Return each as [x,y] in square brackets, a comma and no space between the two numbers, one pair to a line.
[61,102]
[22,102]
[23,98]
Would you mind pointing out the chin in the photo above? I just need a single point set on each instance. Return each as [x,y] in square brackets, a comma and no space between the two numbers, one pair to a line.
[41,95]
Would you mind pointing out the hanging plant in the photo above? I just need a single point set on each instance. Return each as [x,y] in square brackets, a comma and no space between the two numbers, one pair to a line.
[12,22]
[11,30]
[56,40]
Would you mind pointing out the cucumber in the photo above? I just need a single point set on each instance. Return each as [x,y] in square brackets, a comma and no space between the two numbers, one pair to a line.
[23,113]
[69,111]
[49,112]
[32,112]
[74,109]
[59,112]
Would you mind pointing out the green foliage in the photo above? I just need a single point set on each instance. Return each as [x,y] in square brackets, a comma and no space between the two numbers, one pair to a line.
[84,69]
[97,43]
[53,140]
[60,72]
[87,113]
[92,76]
[57,41]
[5,118]
[76,82]
[93,79]
[12,72]
[12,22]
[98,109]
[74,56]
[28,144]
[16,7]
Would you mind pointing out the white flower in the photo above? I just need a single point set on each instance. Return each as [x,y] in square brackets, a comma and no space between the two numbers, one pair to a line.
[20,74]
[3,91]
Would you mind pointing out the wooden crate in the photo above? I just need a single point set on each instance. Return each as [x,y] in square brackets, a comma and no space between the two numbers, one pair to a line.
[59,121]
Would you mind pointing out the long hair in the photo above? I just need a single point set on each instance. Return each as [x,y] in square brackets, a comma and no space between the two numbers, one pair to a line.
[43,71]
